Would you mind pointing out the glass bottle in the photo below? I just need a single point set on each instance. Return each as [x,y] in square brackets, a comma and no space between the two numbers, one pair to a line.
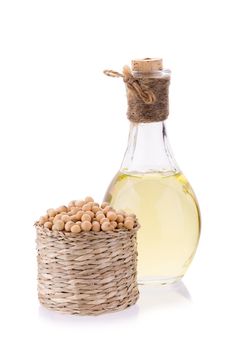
[151,185]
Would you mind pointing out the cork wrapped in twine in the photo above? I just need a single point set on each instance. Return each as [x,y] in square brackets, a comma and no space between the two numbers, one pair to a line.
[147,90]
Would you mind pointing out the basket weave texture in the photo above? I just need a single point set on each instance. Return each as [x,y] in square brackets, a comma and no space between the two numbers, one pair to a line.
[87,273]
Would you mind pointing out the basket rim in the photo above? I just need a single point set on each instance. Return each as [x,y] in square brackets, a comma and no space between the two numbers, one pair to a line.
[94,234]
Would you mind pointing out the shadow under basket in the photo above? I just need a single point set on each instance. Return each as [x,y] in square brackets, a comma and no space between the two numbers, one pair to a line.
[89,273]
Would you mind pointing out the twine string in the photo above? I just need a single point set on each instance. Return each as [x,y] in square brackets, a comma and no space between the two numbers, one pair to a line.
[147,96]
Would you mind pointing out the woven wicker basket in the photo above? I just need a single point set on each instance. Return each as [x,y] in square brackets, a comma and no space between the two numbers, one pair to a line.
[87,273]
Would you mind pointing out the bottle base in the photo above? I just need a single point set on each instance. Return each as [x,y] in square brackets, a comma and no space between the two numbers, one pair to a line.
[158,280]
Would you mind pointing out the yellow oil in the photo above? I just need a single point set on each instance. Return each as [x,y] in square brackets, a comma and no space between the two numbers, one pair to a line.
[168,213]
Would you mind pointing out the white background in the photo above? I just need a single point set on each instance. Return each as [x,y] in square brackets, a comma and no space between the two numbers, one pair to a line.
[63,132]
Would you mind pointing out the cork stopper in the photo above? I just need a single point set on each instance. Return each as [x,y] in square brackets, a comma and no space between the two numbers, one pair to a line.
[147,65]
[147,90]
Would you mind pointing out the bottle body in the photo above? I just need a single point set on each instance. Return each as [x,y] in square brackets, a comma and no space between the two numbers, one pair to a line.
[150,185]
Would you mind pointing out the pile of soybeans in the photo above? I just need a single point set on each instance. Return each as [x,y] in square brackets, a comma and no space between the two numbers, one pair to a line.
[87,215]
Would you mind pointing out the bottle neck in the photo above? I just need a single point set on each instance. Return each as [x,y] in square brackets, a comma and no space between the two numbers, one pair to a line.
[148,150]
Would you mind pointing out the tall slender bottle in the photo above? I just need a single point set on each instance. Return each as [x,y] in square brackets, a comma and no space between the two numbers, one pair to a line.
[150,183]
